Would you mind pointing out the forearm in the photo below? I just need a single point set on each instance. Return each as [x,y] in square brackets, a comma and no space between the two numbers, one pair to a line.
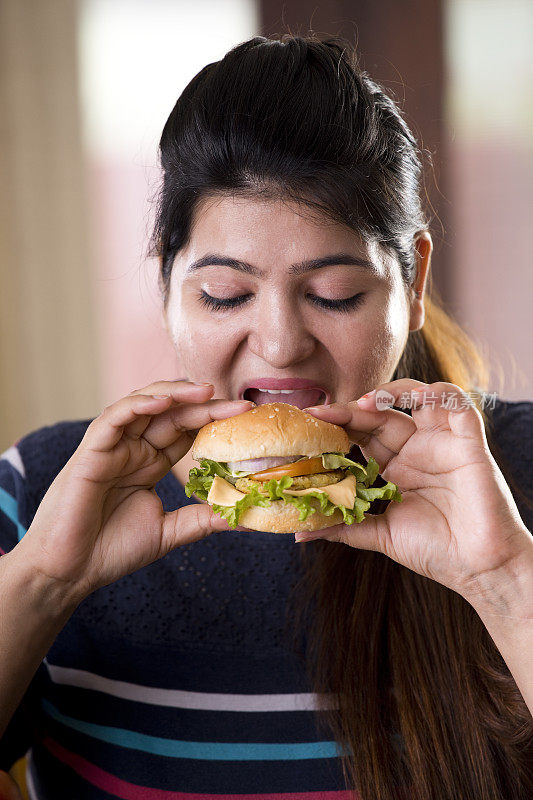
[505,605]
[33,610]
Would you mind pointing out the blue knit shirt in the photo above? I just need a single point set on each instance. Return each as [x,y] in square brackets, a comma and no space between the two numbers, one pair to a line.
[178,681]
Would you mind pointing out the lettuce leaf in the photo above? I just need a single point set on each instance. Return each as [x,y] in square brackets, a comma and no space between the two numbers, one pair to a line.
[388,492]
[201,478]
[339,461]
[364,474]
[306,507]
[234,513]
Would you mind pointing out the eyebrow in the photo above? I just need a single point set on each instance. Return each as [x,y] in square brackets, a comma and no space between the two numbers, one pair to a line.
[213,259]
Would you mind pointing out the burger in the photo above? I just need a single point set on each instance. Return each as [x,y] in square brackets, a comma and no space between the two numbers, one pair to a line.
[278,469]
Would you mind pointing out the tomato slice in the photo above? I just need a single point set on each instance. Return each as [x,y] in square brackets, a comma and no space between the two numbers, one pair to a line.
[309,466]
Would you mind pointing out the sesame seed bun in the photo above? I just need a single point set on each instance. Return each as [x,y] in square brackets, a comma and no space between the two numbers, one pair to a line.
[273,429]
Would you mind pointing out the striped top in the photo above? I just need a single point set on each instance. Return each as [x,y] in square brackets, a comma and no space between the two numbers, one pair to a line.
[177,682]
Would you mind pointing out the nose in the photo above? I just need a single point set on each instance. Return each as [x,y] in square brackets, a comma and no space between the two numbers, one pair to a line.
[279,333]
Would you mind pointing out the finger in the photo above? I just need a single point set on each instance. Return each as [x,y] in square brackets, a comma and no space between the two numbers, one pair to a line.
[174,431]
[106,430]
[186,412]
[434,406]
[179,391]
[135,411]
[370,534]
[189,524]
[379,434]
[166,387]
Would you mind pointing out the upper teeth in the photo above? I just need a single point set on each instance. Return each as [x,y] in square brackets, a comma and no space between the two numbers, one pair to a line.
[278,391]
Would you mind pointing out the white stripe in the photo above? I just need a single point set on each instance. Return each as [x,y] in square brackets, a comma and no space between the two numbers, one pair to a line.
[175,698]
[13,456]
[30,786]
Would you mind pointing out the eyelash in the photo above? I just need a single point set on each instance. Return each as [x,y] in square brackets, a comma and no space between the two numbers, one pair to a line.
[344,305]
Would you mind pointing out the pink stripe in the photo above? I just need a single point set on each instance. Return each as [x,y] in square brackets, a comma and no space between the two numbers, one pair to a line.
[2,552]
[130,791]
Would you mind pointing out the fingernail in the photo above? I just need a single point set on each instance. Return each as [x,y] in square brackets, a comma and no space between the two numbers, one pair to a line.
[314,408]
[306,536]
[201,383]
[367,395]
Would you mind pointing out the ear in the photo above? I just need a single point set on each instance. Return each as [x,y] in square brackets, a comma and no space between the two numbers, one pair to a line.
[423,250]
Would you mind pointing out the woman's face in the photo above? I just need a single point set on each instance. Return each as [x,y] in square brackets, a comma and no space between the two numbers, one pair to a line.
[283,317]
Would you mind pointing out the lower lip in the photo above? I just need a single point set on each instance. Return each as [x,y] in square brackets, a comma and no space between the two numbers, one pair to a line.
[302,398]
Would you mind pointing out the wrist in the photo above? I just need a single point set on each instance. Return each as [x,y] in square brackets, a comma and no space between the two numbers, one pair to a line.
[507,592]
[49,596]
[33,611]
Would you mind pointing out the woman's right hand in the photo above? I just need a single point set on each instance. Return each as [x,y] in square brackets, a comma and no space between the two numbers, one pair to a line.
[101,517]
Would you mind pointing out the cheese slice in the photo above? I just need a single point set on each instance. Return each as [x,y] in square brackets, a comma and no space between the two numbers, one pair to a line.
[222,493]
[341,493]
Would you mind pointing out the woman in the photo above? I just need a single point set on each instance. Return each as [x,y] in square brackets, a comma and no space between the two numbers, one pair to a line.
[293,246]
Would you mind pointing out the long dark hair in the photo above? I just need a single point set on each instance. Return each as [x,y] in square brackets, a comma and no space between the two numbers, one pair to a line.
[425,700]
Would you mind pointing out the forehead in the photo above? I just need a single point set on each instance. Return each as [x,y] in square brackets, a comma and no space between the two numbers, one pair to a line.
[254,223]
[257,218]
[272,234]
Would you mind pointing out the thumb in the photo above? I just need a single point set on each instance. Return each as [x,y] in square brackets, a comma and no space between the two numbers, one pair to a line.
[8,788]
[189,524]
[370,534]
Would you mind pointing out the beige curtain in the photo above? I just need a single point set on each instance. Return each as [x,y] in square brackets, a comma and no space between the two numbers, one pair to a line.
[48,346]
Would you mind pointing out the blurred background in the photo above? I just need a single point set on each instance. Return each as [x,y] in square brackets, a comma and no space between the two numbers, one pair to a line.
[85,89]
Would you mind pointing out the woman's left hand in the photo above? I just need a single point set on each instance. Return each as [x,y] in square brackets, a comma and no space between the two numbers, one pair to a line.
[457,522]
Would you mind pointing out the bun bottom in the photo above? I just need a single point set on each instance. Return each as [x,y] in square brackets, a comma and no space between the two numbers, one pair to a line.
[281,517]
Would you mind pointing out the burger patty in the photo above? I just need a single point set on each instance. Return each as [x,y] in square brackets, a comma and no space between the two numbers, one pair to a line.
[301,482]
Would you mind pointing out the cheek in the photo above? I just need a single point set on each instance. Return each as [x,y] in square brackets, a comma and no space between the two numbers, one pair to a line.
[375,348]
[202,350]
[187,332]
[392,329]
[391,326]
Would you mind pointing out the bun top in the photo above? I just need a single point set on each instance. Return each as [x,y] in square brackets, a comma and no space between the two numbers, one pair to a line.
[273,429]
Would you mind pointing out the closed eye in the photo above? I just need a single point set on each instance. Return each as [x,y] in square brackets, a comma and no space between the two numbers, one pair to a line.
[345,304]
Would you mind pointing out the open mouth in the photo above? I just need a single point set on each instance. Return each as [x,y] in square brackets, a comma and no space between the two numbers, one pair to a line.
[302,398]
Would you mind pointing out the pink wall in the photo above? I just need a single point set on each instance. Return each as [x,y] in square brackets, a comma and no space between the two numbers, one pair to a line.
[134,347]
[493,281]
